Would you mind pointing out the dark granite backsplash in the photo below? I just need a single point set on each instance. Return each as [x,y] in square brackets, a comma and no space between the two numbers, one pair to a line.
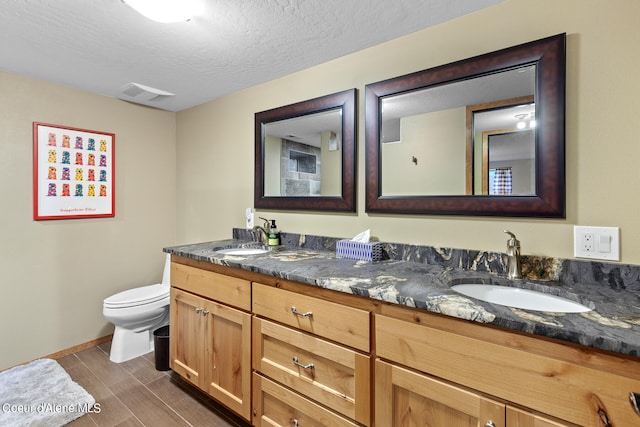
[569,271]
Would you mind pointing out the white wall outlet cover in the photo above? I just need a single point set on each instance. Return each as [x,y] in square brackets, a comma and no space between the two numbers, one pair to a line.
[596,242]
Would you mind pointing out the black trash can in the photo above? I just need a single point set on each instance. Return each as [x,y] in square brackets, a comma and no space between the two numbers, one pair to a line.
[161,345]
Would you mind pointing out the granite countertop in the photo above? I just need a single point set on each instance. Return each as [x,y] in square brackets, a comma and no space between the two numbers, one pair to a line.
[613,324]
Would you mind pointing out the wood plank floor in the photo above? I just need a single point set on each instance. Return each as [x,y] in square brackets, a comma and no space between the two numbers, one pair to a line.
[134,393]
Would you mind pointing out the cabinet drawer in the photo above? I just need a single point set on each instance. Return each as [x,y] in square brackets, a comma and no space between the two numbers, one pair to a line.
[274,405]
[330,374]
[225,289]
[562,389]
[346,325]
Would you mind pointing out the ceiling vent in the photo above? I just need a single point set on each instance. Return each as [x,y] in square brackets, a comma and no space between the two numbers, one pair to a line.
[140,93]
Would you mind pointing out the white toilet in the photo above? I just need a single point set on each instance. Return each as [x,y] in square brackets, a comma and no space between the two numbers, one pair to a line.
[136,313]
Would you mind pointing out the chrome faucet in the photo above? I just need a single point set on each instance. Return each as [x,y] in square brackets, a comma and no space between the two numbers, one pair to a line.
[514,270]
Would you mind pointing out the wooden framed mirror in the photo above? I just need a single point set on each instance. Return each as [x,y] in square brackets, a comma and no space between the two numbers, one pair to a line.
[305,155]
[424,149]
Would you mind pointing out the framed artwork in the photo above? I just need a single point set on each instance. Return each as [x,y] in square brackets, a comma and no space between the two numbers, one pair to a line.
[73,172]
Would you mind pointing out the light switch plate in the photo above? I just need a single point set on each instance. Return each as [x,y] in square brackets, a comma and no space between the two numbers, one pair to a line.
[596,243]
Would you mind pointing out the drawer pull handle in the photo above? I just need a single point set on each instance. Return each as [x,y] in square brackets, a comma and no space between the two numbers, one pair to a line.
[604,418]
[297,313]
[490,423]
[307,366]
[634,399]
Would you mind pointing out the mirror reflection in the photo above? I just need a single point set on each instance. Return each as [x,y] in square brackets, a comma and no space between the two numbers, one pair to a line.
[303,155]
[430,149]
[454,139]
[502,140]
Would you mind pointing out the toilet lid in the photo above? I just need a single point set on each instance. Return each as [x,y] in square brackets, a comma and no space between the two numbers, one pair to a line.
[138,296]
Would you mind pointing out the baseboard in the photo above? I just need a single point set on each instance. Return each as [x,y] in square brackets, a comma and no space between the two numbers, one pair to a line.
[76,348]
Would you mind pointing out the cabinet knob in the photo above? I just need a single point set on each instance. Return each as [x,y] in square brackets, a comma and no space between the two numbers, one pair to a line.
[634,400]
[294,422]
[198,310]
[205,312]
[489,423]
[298,313]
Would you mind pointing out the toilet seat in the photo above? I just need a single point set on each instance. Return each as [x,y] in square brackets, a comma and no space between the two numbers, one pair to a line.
[138,296]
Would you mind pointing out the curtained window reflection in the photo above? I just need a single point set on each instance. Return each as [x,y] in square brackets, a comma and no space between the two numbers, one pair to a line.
[501,181]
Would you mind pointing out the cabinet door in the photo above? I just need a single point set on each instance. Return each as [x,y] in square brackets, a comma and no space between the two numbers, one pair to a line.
[519,418]
[186,351]
[407,398]
[228,357]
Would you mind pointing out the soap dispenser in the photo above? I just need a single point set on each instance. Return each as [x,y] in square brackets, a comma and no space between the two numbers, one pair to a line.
[274,234]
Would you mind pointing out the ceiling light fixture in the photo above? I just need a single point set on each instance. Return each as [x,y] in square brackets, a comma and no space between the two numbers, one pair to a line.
[522,124]
[166,11]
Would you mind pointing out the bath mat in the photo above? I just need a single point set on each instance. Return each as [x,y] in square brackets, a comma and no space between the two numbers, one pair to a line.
[41,393]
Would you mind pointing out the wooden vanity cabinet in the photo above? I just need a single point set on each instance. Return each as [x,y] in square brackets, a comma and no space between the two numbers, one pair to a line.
[311,359]
[540,382]
[282,353]
[210,342]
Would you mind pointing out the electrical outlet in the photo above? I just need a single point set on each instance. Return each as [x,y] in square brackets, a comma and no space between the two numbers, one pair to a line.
[587,242]
[596,243]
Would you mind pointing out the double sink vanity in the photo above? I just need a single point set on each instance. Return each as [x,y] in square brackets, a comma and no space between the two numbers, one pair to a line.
[296,336]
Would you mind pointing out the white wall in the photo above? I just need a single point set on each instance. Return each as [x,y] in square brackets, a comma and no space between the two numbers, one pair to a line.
[440,157]
[56,273]
[602,151]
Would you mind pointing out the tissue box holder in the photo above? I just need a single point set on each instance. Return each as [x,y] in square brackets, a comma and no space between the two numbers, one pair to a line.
[356,250]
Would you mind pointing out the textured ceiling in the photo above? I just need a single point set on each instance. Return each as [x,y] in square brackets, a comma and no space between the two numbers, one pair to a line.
[102,45]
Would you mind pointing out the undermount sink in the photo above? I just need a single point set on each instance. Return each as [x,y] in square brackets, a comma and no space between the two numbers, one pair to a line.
[243,251]
[520,298]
